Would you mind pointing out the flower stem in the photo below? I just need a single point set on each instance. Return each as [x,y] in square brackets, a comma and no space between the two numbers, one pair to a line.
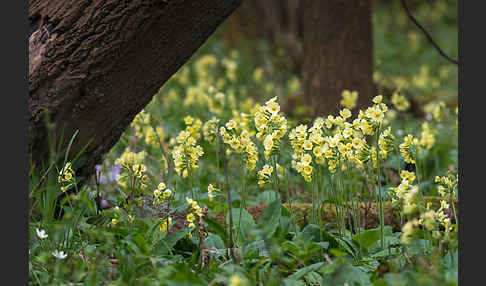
[380,198]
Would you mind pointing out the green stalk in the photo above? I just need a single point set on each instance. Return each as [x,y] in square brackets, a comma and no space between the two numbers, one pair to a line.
[398,160]
[313,201]
[417,169]
[319,186]
[231,243]
[275,176]
[342,195]
[380,199]
[334,195]
[453,207]
[241,194]
[217,160]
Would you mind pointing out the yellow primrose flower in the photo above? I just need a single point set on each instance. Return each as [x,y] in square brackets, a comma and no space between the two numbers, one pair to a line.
[317,151]
[377,115]
[306,159]
[231,124]
[211,191]
[307,145]
[349,99]
[347,132]
[345,113]
[165,224]
[377,99]
[190,217]
[339,120]
[273,107]
[188,120]
[167,193]
[406,175]
[235,280]
[161,186]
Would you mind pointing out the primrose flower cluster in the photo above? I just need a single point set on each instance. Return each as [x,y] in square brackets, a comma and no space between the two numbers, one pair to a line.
[271,126]
[66,177]
[399,101]
[411,146]
[431,220]
[300,144]
[447,184]
[144,130]
[338,142]
[164,225]
[265,174]
[408,149]
[385,143]
[194,213]
[435,109]
[240,143]
[212,191]
[133,168]
[161,194]
[349,99]
[427,136]
[210,129]
[406,192]
[187,153]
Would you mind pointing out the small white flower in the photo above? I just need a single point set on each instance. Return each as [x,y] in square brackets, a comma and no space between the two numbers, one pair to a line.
[41,233]
[428,117]
[59,254]
[399,132]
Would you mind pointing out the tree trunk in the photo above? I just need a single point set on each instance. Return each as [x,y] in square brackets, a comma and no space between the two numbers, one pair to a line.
[281,28]
[93,65]
[337,53]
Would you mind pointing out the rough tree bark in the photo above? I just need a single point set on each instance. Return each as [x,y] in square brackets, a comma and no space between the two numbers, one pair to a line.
[337,53]
[93,65]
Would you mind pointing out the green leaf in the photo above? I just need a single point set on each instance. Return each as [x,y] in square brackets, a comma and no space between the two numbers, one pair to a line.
[270,218]
[303,271]
[291,247]
[241,229]
[368,264]
[217,228]
[141,243]
[386,252]
[314,233]
[257,246]
[367,238]
[214,241]
[348,274]
[348,245]
[311,232]
[165,245]
[323,244]
[286,212]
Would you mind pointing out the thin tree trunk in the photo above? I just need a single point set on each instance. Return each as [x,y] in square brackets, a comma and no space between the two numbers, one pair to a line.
[337,53]
[93,65]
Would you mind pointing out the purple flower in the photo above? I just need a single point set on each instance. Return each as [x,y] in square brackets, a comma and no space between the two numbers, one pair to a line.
[99,174]
[114,173]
